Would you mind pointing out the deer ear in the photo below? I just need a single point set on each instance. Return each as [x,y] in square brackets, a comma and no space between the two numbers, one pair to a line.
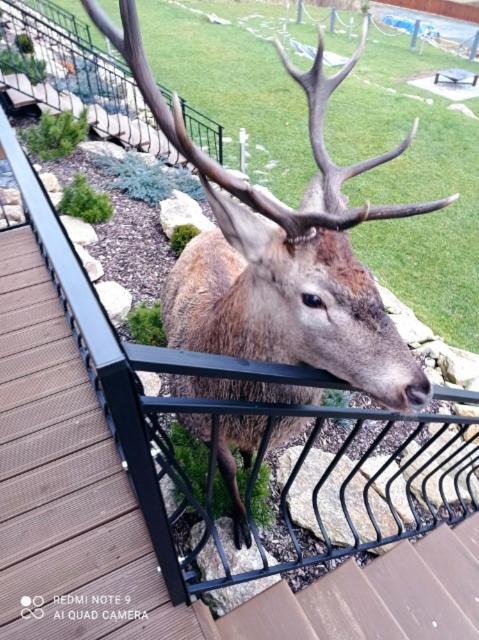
[246,231]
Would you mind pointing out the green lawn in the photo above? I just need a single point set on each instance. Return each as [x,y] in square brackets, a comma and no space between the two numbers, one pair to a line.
[431,263]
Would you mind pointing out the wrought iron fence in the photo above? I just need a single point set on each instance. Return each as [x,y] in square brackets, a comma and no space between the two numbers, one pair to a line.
[62,74]
[378,477]
[63,19]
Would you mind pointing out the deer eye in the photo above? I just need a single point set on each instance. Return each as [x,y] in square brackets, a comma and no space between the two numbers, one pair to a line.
[313,301]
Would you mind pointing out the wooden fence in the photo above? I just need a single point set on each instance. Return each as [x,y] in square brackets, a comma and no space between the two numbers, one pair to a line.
[447,8]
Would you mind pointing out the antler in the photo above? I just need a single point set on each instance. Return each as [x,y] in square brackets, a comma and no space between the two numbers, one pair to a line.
[318,88]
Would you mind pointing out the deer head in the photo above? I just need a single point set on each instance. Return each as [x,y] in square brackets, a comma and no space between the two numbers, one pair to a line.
[305,276]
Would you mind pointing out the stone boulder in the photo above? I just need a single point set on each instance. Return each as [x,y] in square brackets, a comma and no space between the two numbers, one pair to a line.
[78,231]
[459,106]
[96,148]
[224,600]
[398,485]
[10,196]
[410,328]
[426,459]
[459,366]
[56,197]
[92,265]
[181,209]
[13,213]
[116,300]
[50,182]
[151,382]
[301,505]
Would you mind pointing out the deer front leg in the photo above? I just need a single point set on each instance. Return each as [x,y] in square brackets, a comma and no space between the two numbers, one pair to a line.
[227,467]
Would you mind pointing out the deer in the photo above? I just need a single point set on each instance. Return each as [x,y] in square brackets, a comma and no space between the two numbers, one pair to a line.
[276,284]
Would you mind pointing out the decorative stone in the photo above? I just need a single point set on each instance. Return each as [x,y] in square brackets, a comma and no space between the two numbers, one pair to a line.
[412,330]
[181,209]
[94,149]
[224,600]
[434,375]
[91,264]
[78,231]
[10,196]
[466,410]
[330,509]
[116,300]
[471,432]
[459,366]
[432,486]
[151,382]
[458,106]
[56,197]
[398,485]
[13,213]
[473,385]
[214,19]
[50,182]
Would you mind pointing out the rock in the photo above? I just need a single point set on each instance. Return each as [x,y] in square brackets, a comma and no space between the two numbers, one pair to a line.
[300,499]
[13,213]
[432,486]
[50,182]
[181,209]
[471,432]
[151,382]
[224,600]
[92,265]
[78,231]
[214,19]
[473,385]
[116,300]
[433,349]
[37,167]
[412,330]
[398,485]
[56,197]
[462,109]
[391,303]
[434,376]
[459,366]
[94,149]
[3,223]
[10,196]
[466,410]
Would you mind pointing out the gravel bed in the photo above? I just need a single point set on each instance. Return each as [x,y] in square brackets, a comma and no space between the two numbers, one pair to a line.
[135,253]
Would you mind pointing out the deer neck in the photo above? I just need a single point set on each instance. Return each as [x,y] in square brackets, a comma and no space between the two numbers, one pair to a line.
[237,328]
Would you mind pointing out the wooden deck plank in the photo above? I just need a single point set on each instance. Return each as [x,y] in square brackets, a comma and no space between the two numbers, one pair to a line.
[67,517]
[26,297]
[28,316]
[40,358]
[37,335]
[9,238]
[45,484]
[468,534]
[22,391]
[26,246]
[24,279]
[165,622]
[68,404]
[73,563]
[18,264]
[139,581]
[59,440]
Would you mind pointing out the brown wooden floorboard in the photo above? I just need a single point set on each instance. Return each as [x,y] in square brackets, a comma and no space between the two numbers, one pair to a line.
[52,443]
[27,338]
[138,581]
[69,519]
[27,297]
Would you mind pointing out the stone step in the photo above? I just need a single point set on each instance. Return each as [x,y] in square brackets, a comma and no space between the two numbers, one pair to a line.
[455,568]
[468,534]
[415,597]
[274,614]
[343,605]
[19,90]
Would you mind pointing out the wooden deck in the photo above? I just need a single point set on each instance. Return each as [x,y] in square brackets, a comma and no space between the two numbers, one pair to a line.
[69,522]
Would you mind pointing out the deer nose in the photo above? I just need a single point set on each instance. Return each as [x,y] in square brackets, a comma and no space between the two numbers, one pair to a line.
[418,394]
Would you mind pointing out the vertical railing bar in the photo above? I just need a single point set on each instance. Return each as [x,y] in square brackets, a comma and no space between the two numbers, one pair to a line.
[265,439]
[459,473]
[468,484]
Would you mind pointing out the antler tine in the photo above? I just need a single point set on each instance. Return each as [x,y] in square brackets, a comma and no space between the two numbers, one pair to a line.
[371,163]
[393,211]
[335,81]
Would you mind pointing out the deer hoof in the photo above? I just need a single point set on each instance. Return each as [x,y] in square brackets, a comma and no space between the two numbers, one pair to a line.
[241,532]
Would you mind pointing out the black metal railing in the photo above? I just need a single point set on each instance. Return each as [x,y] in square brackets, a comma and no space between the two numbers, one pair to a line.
[61,18]
[424,467]
[64,74]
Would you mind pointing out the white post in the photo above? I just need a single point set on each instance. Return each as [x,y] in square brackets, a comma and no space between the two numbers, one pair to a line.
[243,139]
[350,33]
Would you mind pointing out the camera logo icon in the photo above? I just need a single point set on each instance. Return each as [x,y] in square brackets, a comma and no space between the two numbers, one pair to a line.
[32,607]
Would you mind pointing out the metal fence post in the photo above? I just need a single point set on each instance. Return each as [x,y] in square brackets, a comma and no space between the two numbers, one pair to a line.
[123,403]
[474,47]
[299,14]
[415,35]
[220,143]
[332,20]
